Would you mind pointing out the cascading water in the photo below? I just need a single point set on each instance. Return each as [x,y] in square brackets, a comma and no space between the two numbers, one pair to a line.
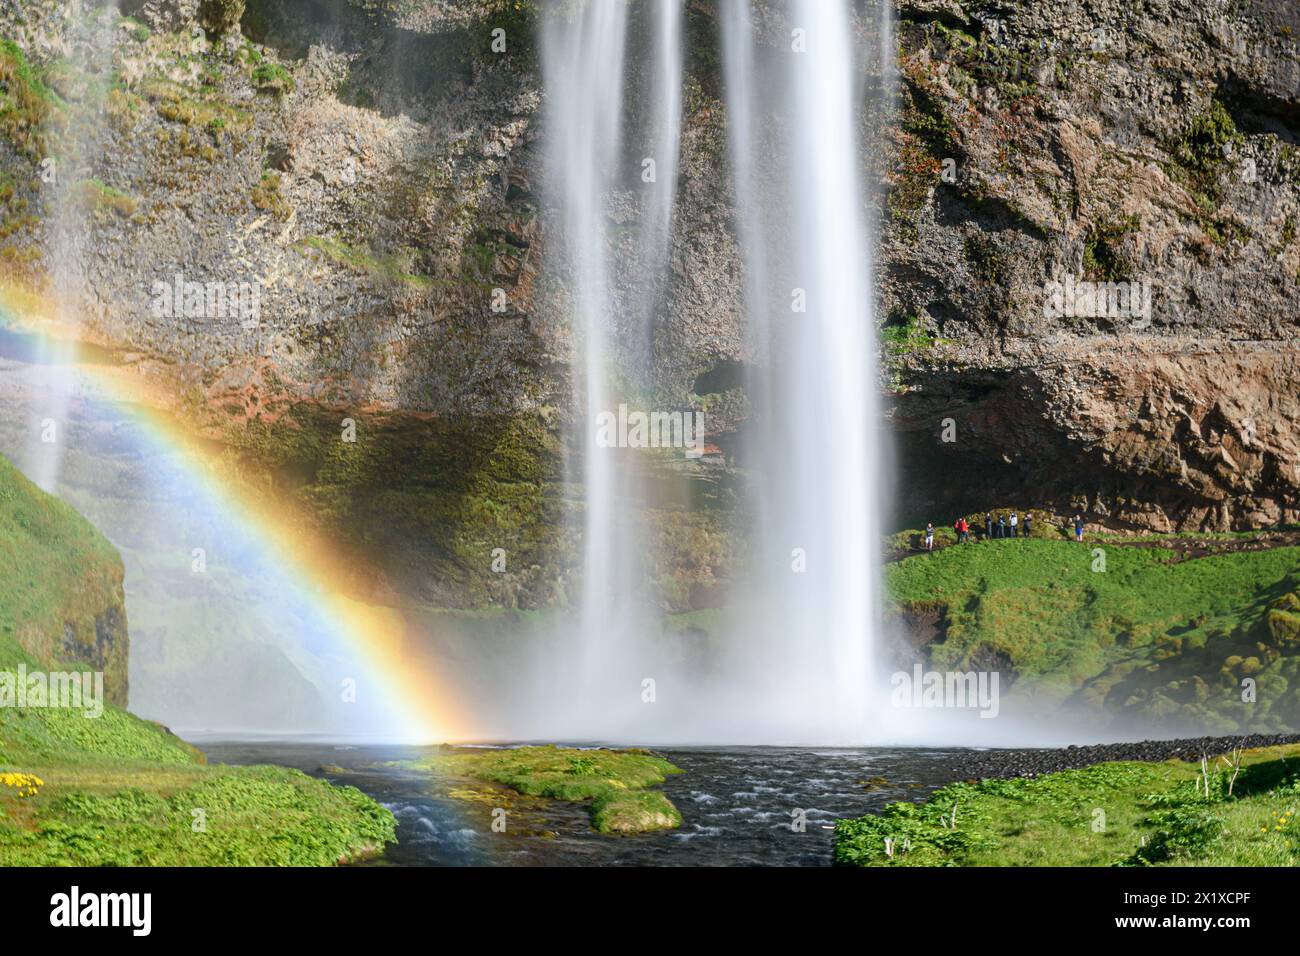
[613,288]
[796,665]
[805,653]
[90,44]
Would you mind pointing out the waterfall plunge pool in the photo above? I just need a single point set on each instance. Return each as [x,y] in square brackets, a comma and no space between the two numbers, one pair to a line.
[739,805]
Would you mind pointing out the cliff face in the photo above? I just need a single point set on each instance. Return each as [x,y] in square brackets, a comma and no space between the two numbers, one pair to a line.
[1154,142]
[373,168]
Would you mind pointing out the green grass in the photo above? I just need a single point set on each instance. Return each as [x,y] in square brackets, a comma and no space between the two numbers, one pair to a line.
[390,269]
[116,790]
[1113,814]
[26,103]
[58,576]
[1149,635]
[103,199]
[136,813]
[272,78]
[614,781]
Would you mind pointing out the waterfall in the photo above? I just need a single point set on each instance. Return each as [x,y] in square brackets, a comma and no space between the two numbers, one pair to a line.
[594,164]
[803,649]
[91,42]
[795,665]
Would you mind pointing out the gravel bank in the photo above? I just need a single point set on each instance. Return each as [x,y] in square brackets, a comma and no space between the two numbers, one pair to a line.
[1004,764]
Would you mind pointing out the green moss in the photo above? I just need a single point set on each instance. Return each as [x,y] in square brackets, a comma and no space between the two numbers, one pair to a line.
[26,103]
[1104,256]
[220,16]
[1203,144]
[266,197]
[272,78]
[444,493]
[904,335]
[388,268]
[136,30]
[636,812]
[1106,815]
[614,781]
[58,577]
[1199,163]
[928,137]
[101,199]
[1134,635]
[1283,621]
[517,18]
[215,117]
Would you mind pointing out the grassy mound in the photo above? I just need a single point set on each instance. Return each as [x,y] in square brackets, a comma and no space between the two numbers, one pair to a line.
[1128,814]
[60,585]
[114,790]
[1119,628]
[615,781]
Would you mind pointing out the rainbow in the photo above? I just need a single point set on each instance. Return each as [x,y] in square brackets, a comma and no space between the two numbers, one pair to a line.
[417,708]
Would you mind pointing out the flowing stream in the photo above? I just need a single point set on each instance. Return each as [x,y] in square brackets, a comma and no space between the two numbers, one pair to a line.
[739,805]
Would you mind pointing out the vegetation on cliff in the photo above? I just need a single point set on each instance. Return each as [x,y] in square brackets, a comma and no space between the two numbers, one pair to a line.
[60,586]
[25,102]
[442,494]
[1141,628]
[1236,811]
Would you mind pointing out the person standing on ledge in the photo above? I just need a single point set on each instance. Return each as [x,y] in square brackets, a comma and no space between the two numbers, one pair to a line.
[1028,523]
[988,525]
[929,536]
[1015,520]
[1002,526]
[1078,527]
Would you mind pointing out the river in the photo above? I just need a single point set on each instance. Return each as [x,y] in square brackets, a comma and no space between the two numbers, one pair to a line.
[737,803]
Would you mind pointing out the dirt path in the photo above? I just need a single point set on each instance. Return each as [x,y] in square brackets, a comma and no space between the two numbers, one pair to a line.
[1185,549]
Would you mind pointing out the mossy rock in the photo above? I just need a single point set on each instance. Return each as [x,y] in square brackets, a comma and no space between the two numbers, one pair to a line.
[637,811]
[615,781]
[272,78]
[220,16]
[1283,627]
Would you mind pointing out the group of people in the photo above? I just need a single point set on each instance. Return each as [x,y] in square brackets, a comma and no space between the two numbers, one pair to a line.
[1006,526]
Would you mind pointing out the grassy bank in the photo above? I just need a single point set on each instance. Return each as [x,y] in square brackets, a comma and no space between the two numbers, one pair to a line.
[1128,814]
[60,585]
[1135,631]
[615,782]
[114,790]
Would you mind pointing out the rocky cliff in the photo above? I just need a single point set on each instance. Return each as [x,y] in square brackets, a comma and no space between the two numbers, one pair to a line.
[1154,142]
[373,169]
